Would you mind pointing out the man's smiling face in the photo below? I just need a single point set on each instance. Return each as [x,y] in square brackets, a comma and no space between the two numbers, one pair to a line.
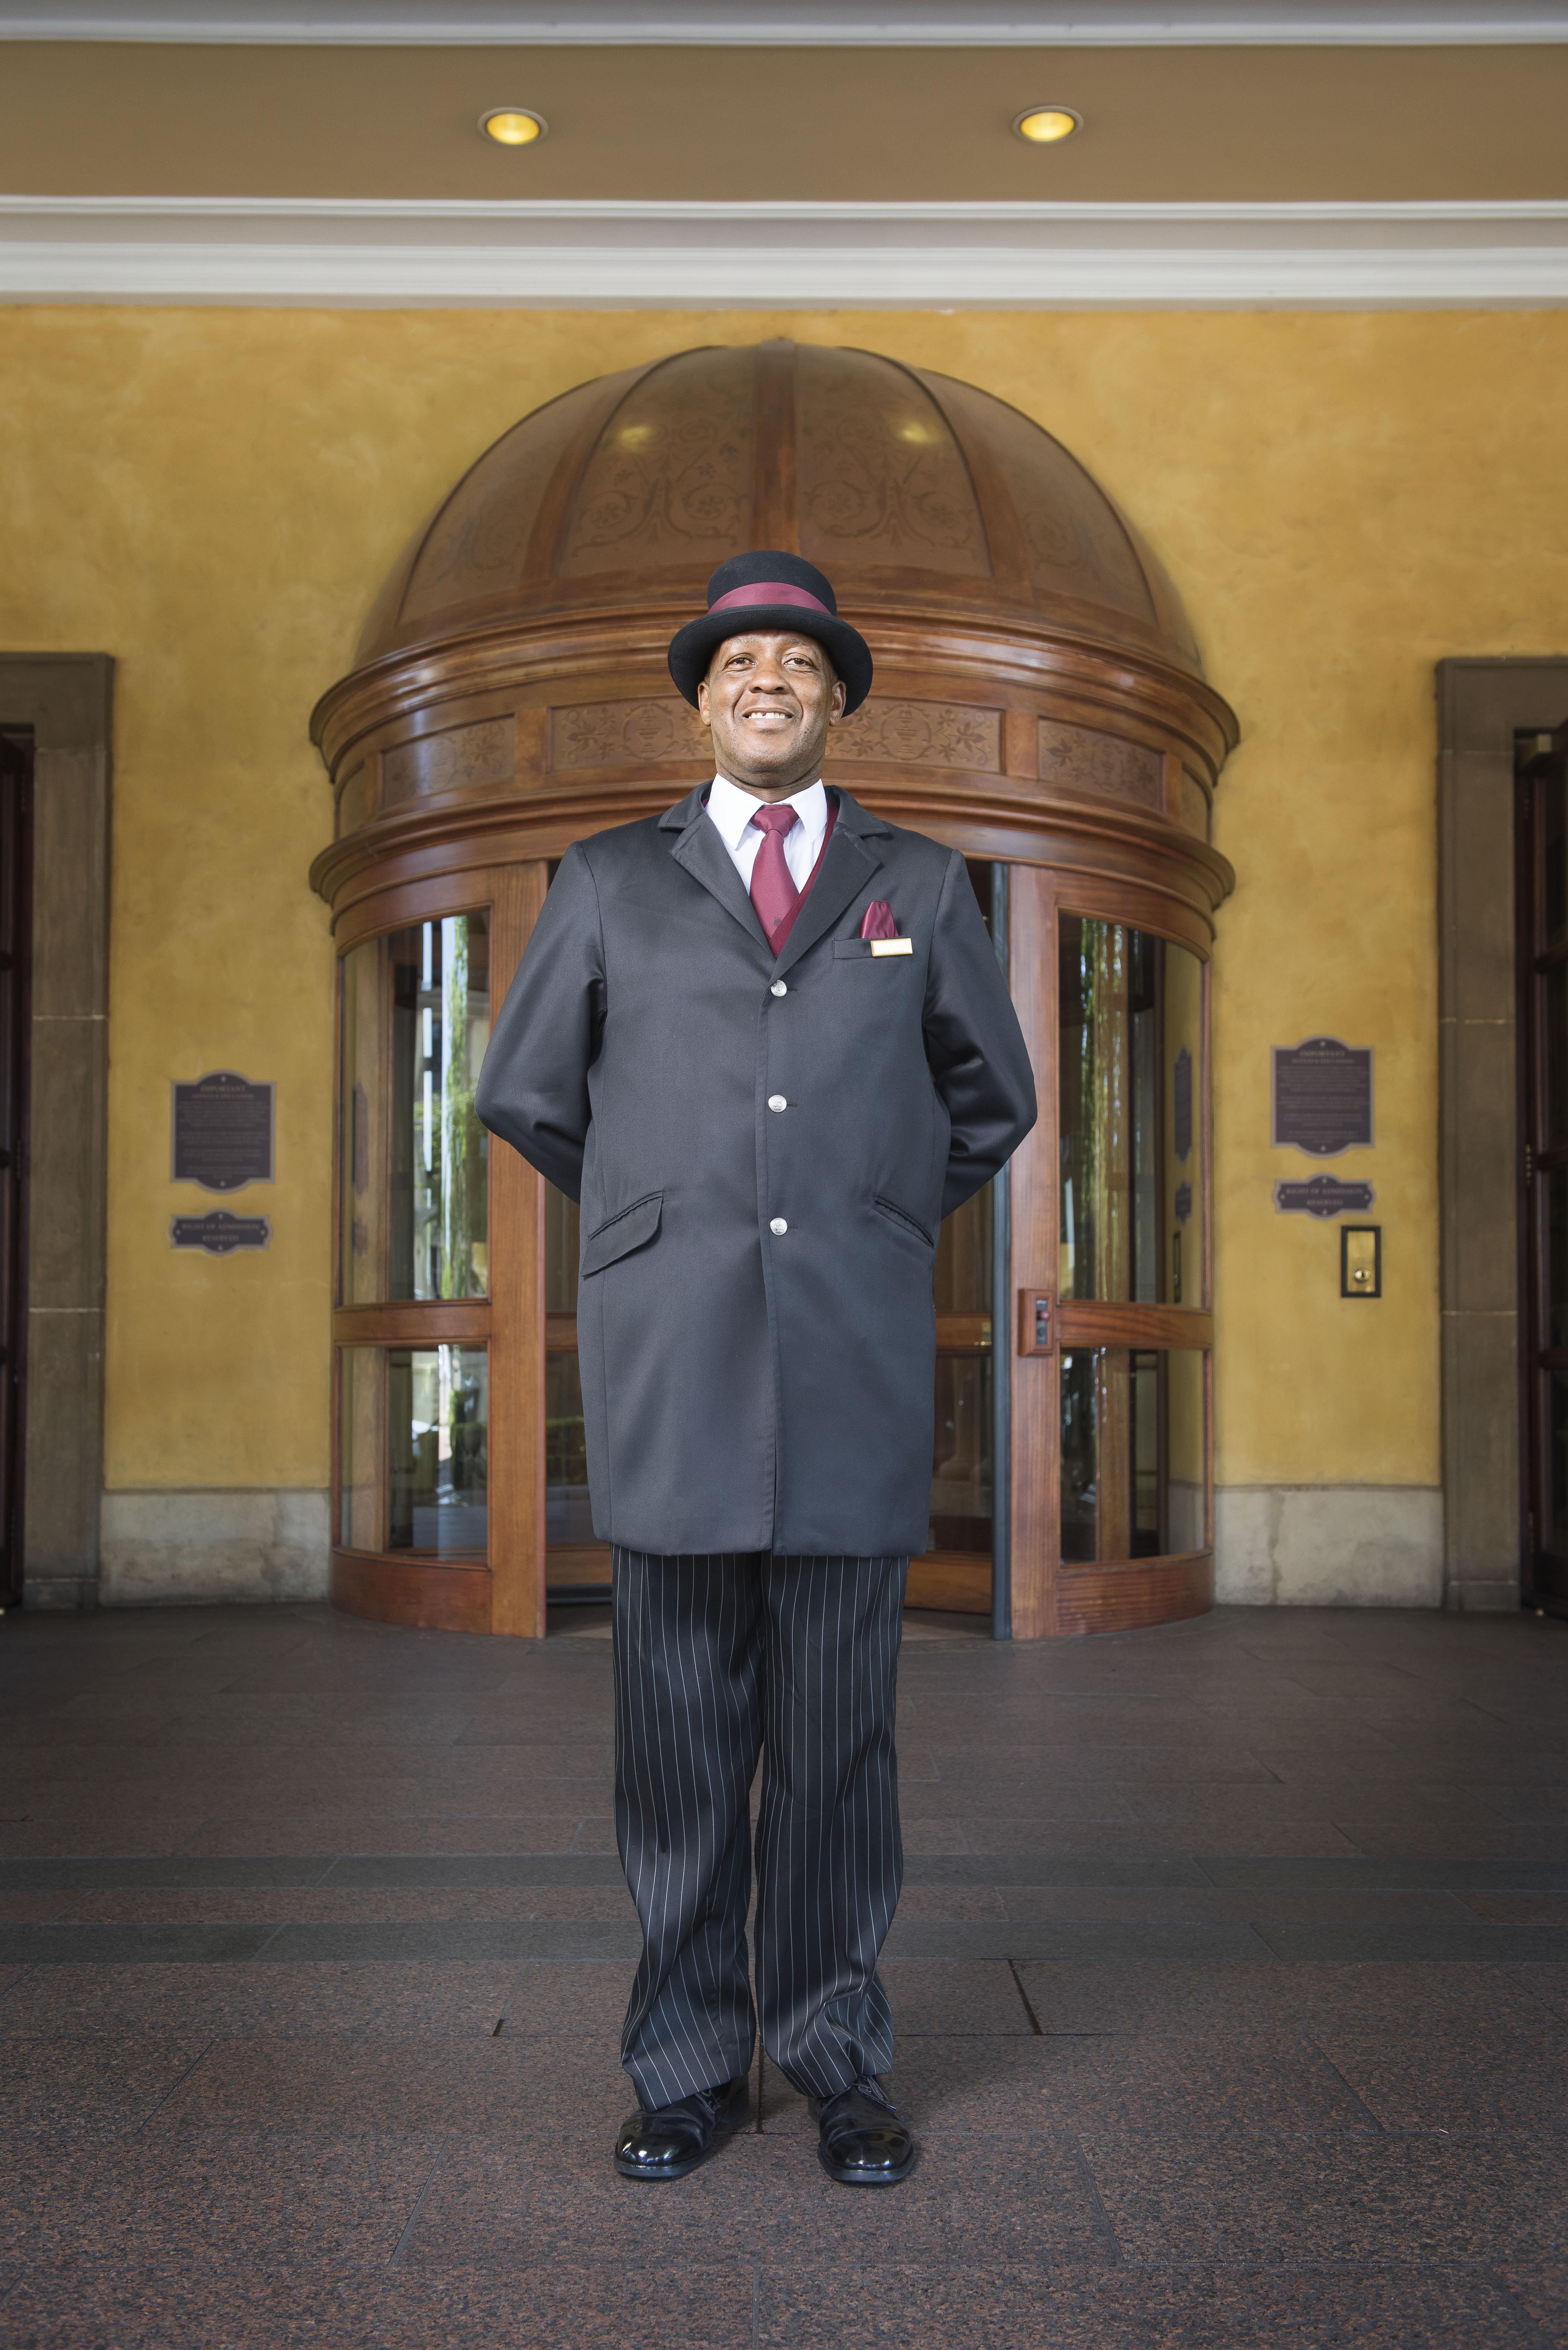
[770,700]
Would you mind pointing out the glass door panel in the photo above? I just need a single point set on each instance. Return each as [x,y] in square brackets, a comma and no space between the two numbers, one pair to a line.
[1132,1400]
[1133,1454]
[414,1451]
[1131,1039]
[415,1159]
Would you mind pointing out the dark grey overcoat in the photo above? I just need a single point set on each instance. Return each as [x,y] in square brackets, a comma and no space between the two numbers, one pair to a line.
[745,1386]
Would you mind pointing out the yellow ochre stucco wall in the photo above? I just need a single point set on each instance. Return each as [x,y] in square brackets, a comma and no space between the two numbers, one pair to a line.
[212,496]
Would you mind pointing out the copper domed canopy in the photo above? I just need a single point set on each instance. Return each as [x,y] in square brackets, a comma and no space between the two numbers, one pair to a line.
[912,491]
[1038,692]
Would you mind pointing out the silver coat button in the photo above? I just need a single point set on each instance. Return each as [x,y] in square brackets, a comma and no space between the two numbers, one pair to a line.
[779,988]
[777,1101]
[778,1227]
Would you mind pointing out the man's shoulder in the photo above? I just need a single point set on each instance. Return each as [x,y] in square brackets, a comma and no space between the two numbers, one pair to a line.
[621,848]
[915,853]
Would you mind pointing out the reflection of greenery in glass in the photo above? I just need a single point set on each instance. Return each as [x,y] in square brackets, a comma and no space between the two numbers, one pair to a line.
[1103,1045]
[441,1026]
[463,1190]
[416,1020]
[1131,1211]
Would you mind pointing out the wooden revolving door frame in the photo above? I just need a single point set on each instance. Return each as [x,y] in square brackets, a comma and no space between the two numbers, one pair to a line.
[1065,746]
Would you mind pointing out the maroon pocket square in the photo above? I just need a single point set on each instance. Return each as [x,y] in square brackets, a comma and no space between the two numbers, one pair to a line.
[879,922]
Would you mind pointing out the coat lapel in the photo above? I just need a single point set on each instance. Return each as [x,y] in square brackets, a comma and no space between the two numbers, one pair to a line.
[700,852]
[848,861]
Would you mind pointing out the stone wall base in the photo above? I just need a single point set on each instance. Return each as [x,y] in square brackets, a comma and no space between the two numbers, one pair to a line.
[54,1595]
[1334,1546]
[188,1549]
[1275,1547]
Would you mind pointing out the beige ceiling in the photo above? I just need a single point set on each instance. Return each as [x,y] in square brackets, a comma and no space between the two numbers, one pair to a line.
[1162,125]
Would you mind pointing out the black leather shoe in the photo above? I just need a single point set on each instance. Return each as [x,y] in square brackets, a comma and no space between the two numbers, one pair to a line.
[677,2139]
[862,2141]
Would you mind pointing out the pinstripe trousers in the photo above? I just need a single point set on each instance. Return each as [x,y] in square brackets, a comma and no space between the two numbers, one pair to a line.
[720,1657]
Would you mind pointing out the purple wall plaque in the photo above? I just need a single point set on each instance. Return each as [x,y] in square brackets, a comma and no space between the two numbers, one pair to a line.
[219,1232]
[1323,1097]
[222,1132]
[1324,1195]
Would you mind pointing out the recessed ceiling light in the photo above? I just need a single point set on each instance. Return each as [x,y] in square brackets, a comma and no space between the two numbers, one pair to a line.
[1043,125]
[513,126]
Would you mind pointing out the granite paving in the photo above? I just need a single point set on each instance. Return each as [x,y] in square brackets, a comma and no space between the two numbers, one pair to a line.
[1230,1987]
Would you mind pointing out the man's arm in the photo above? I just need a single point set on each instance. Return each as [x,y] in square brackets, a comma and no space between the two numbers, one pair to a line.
[978,1062]
[533,1087]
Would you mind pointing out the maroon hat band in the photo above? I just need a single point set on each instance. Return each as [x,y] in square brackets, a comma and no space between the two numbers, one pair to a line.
[769,591]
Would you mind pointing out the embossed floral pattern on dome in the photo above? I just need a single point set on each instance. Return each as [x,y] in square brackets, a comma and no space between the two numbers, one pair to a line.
[670,479]
[882,481]
[481,535]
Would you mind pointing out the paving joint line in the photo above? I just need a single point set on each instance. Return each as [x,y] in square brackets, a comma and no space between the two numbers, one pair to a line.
[1349,2087]
[1028,2003]
[1087,2172]
[437,2166]
[195,2062]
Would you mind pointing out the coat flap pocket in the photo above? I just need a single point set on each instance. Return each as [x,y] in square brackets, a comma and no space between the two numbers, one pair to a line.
[627,1230]
[902,1218]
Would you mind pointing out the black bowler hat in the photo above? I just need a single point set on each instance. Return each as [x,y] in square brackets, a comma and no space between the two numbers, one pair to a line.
[770,590]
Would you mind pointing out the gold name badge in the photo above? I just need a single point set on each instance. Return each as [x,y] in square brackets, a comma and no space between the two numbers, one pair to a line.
[892,946]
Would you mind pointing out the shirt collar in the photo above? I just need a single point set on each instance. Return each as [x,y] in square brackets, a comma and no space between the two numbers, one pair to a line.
[732,809]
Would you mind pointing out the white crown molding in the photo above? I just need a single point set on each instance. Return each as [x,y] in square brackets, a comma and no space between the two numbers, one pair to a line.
[600,254]
[1057,23]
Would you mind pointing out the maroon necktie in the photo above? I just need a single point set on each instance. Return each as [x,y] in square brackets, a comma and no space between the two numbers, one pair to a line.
[773,893]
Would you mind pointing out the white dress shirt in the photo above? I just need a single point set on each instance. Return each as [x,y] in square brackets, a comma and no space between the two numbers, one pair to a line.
[732,810]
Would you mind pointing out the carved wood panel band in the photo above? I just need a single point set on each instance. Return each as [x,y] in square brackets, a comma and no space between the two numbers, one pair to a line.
[626,734]
[895,733]
[456,760]
[920,734]
[1089,762]
[1194,807]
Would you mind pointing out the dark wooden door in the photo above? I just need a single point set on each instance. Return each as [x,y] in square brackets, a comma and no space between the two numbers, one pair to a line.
[15,954]
[1543,921]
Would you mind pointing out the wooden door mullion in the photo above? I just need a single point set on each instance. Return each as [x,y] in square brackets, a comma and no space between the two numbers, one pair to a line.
[517,1343]
[1036,1468]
